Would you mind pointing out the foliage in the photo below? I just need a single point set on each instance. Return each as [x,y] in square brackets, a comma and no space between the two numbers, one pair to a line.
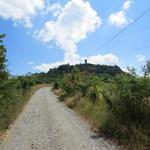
[132,71]
[95,88]
[12,93]
[115,102]
[3,72]
[128,100]
[118,105]
[57,83]
[2,53]
[88,68]
[12,90]
[71,82]
[146,68]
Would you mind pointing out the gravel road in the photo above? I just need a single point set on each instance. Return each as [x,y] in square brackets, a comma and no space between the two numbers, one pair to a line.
[46,124]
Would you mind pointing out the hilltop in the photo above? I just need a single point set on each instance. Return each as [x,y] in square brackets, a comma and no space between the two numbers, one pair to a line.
[87,68]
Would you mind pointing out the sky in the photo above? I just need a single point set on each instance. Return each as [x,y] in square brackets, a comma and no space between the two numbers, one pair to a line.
[43,34]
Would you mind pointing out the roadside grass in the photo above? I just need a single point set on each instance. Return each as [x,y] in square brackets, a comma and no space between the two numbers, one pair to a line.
[91,112]
[102,121]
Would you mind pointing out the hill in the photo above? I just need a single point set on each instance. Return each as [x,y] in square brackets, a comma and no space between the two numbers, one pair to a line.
[87,68]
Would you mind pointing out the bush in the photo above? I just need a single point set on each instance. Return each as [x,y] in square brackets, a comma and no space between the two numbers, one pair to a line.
[12,92]
[94,88]
[128,100]
[118,105]
[57,83]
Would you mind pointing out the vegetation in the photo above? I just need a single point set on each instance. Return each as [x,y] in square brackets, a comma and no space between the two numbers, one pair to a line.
[12,91]
[86,68]
[114,102]
[117,105]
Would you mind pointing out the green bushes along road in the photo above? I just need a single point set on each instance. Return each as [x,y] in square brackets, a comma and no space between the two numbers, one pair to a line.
[118,106]
[13,91]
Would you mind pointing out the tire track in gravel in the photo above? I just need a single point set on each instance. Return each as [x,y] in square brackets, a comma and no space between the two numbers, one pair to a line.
[46,124]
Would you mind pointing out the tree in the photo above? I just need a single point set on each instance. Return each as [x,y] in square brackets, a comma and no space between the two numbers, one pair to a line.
[2,53]
[132,71]
[75,74]
[146,68]
[94,88]
[3,72]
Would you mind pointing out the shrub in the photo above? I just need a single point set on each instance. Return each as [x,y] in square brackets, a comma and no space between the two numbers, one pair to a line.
[128,100]
[94,88]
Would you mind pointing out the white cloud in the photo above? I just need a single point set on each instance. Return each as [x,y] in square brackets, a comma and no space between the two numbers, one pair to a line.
[30,63]
[45,67]
[73,24]
[127,4]
[108,59]
[125,70]
[119,18]
[140,57]
[55,9]
[20,11]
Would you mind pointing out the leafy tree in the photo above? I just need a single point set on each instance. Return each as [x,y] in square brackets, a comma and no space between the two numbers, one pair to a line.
[57,83]
[132,71]
[146,68]
[75,74]
[2,53]
[3,73]
[95,88]
[12,90]
[70,82]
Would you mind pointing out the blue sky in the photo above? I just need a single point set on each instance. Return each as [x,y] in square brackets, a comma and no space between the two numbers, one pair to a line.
[42,34]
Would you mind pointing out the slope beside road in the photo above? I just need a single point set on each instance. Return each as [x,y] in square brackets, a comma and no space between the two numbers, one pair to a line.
[46,124]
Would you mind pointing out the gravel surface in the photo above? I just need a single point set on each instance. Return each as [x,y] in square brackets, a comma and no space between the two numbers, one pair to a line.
[46,124]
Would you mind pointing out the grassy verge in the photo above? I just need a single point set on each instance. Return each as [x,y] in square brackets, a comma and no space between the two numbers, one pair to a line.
[92,113]
[117,107]
[103,122]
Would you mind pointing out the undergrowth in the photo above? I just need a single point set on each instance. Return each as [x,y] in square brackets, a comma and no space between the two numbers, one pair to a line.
[118,108]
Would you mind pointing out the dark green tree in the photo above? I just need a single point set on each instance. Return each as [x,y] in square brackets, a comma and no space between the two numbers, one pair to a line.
[2,54]
[132,71]
[146,68]
[3,72]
